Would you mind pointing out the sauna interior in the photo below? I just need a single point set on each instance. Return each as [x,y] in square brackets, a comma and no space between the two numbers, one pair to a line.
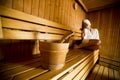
[24,24]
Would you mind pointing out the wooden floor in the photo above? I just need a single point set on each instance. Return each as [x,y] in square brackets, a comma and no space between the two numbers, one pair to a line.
[100,72]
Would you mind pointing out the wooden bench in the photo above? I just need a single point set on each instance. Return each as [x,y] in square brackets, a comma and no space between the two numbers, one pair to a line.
[20,34]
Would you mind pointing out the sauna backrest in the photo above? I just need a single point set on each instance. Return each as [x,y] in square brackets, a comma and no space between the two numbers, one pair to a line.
[18,25]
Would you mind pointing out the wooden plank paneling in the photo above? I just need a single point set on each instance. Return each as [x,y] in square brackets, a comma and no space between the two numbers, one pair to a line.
[59,11]
[111,62]
[75,71]
[27,6]
[69,65]
[56,12]
[35,7]
[18,5]
[7,3]
[42,8]
[22,69]
[14,24]
[107,21]
[16,34]
[22,16]
[47,9]
[89,69]
[80,75]
[32,70]
[80,68]
[52,9]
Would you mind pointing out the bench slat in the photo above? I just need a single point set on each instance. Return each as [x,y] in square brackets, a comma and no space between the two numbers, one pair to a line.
[53,75]
[16,34]
[23,16]
[9,66]
[11,73]
[90,67]
[77,69]
[81,73]
[16,24]
[30,74]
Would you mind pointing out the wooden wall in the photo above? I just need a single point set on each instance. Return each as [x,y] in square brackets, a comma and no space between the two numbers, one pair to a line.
[61,11]
[108,23]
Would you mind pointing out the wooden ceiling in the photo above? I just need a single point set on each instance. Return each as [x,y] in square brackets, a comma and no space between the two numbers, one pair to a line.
[92,5]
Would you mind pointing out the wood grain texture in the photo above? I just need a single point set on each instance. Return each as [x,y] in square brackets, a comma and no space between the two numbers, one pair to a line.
[35,7]
[93,5]
[69,65]
[23,16]
[41,8]
[59,11]
[7,3]
[47,9]
[100,72]
[18,5]
[15,24]
[107,21]
[27,6]
[16,34]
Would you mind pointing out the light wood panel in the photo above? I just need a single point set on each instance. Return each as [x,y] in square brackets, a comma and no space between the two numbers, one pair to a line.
[41,8]
[18,5]
[21,25]
[107,21]
[47,9]
[27,6]
[16,34]
[82,74]
[59,11]
[7,3]
[22,16]
[35,7]
[111,63]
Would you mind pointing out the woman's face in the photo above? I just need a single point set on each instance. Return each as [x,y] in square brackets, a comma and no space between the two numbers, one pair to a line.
[87,26]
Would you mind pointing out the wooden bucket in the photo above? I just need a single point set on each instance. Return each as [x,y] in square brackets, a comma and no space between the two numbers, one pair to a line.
[53,54]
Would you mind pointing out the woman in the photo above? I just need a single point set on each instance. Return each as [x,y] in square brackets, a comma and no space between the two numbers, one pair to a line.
[91,38]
